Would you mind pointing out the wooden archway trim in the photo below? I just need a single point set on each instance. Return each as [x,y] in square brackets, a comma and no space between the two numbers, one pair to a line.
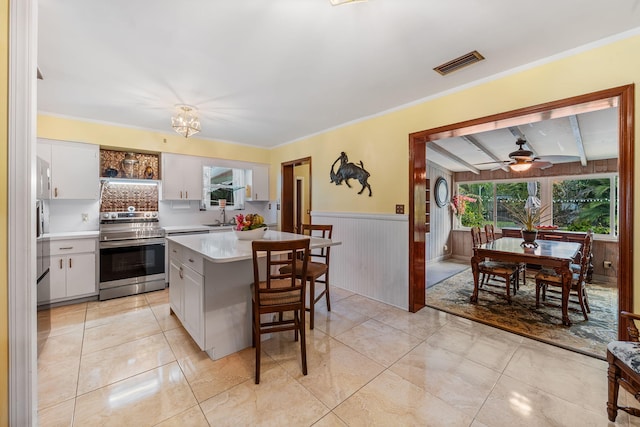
[286,195]
[417,182]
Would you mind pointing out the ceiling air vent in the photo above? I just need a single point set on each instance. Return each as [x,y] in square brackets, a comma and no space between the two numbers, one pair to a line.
[461,62]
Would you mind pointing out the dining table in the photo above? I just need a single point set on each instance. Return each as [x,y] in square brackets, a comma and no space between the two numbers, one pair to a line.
[556,255]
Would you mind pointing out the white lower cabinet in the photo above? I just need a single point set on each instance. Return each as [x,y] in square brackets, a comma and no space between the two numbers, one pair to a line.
[72,271]
[193,309]
[186,291]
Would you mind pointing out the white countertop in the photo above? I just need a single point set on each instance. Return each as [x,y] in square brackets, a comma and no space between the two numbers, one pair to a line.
[225,246]
[73,235]
[200,227]
[187,228]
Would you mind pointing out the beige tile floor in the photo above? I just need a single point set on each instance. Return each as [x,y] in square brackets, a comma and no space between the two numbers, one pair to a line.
[128,362]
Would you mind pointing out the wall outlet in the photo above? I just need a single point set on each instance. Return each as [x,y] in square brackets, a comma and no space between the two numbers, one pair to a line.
[607,264]
[446,248]
[85,217]
[400,209]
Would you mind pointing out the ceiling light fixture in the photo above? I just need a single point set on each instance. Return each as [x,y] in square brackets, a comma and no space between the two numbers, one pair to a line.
[339,2]
[520,167]
[186,122]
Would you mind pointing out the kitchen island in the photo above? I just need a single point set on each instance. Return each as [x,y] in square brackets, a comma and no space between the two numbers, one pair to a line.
[209,278]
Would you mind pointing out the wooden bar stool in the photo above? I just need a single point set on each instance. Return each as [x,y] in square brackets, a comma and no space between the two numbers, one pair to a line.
[318,268]
[279,292]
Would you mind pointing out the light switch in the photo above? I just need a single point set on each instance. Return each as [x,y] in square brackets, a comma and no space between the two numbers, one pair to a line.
[400,209]
[85,217]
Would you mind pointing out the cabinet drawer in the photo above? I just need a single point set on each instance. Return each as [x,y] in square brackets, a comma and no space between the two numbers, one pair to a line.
[193,260]
[72,246]
[175,252]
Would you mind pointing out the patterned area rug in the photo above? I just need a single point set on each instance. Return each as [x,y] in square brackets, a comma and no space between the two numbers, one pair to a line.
[521,316]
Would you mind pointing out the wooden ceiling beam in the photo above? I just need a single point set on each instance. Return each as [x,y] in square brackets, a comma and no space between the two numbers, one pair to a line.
[577,135]
[433,146]
[473,141]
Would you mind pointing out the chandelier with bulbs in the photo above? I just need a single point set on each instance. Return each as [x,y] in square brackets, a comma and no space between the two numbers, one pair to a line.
[186,121]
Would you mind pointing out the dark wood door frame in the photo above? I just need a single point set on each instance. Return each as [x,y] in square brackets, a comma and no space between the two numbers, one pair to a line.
[287,216]
[417,184]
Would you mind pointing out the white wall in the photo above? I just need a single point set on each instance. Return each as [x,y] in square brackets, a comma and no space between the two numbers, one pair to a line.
[189,213]
[66,215]
[373,257]
[440,234]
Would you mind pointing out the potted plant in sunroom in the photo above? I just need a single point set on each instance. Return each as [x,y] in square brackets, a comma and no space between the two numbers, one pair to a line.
[529,218]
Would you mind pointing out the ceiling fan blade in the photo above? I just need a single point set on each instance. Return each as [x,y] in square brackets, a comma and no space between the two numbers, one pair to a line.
[541,165]
[559,159]
[504,162]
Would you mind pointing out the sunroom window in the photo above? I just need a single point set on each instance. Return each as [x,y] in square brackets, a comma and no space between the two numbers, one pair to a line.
[578,203]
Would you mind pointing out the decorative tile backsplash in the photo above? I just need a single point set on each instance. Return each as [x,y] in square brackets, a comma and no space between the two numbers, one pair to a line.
[118,196]
[125,164]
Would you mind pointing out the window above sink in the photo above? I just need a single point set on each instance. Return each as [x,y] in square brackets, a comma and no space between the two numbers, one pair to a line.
[223,187]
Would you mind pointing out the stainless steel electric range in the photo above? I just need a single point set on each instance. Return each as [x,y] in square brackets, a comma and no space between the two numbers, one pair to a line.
[132,251]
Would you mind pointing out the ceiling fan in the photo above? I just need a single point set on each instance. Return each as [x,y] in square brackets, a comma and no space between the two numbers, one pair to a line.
[522,160]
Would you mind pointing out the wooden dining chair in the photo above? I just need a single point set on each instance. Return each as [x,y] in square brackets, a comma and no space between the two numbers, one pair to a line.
[489,232]
[274,292]
[508,272]
[575,266]
[318,268]
[624,368]
[546,278]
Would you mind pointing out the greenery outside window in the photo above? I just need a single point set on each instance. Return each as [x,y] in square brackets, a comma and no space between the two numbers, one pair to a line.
[223,183]
[578,203]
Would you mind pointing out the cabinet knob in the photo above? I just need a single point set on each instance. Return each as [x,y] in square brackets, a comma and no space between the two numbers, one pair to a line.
[180,273]
[55,192]
[69,262]
[186,194]
[60,264]
[181,194]
[66,248]
[191,260]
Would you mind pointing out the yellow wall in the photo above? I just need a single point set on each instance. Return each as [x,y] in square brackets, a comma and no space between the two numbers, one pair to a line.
[145,140]
[382,142]
[4,311]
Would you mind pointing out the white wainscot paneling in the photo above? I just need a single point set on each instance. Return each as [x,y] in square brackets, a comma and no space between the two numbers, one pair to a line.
[373,259]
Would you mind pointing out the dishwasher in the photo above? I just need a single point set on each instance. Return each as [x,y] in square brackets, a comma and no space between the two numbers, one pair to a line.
[166,247]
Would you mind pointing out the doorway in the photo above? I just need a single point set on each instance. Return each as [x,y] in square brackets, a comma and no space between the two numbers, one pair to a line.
[295,194]
[418,168]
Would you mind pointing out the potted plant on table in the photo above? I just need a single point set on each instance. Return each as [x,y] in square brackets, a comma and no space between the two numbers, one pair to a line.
[530,218]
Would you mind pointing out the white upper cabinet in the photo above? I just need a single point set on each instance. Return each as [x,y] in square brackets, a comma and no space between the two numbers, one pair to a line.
[258,183]
[181,177]
[74,169]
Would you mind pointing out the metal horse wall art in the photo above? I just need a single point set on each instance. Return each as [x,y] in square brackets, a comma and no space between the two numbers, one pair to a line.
[347,171]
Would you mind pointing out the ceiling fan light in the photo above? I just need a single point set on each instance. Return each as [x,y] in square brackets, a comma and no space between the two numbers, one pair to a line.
[186,122]
[520,167]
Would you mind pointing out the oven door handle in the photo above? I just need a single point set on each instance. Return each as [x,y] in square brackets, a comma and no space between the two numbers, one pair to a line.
[132,242]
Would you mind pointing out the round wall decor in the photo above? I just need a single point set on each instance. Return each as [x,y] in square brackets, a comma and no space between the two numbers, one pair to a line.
[441,191]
